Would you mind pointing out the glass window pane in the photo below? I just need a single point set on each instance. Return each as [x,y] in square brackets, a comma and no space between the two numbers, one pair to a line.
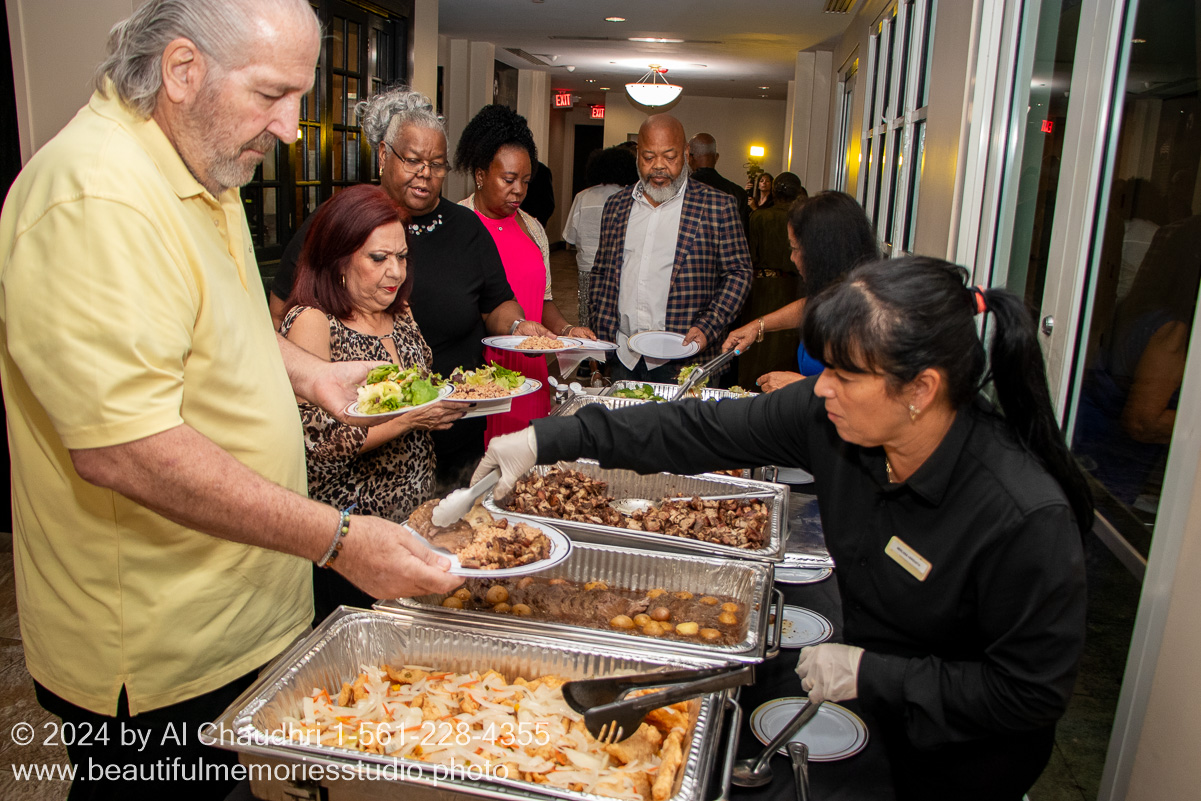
[270,217]
[894,169]
[352,99]
[915,181]
[312,171]
[271,163]
[337,35]
[338,145]
[339,101]
[890,24]
[879,169]
[352,47]
[924,37]
[298,157]
[352,157]
[906,20]
[1145,278]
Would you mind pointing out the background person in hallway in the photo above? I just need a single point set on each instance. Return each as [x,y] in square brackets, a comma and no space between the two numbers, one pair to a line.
[759,190]
[350,303]
[607,171]
[829,234]
[497,151]
[702,161]
[672,256]
[777,283]
[956,527]
[162,540]
[460,294]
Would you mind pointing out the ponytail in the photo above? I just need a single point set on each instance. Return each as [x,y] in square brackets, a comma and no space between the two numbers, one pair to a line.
[1019,378]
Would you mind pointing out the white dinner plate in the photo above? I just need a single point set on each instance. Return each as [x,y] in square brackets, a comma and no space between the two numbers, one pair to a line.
[662,345]
[796,574]
[353,409]
[510,343]
[530,385]
[560,548]
[834,733]
[803,627]
[596,344]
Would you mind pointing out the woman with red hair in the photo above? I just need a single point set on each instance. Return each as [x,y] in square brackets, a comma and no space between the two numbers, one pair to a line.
[350,302]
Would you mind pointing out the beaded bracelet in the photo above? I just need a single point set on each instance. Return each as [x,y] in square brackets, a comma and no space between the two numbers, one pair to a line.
[335,547]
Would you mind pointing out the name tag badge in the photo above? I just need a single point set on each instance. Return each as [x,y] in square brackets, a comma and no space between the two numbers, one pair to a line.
[906,557]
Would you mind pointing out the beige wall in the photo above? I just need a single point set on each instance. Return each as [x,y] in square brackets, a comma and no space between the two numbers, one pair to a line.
[423,63]
[56,46]
[949,94]
[736,125]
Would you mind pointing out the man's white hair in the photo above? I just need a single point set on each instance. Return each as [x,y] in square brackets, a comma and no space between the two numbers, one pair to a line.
[219,28]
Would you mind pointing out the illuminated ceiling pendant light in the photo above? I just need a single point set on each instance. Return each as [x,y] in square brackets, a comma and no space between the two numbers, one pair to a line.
[653,89]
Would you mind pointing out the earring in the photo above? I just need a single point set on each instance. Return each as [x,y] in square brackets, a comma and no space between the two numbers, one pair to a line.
[479,185]
[913,413]
[344,286]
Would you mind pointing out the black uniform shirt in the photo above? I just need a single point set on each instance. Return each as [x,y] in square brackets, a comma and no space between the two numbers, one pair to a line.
[989,642]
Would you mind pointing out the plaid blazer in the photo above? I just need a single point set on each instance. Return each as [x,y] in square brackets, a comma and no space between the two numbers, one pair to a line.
[711,275]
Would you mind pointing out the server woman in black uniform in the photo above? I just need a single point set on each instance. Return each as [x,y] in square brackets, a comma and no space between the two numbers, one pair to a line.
[956,529]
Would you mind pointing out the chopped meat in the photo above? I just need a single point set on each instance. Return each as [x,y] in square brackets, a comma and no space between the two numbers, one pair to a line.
[571,495]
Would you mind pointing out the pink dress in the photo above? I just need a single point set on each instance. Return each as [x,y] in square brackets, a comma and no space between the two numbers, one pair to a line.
[527,276]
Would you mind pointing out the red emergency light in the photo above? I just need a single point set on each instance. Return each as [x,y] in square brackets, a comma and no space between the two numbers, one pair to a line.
[598,112]
[562,99]
[1047,126]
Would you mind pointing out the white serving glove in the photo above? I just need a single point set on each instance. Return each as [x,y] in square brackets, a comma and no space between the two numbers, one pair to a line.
[830,671]
[513,454]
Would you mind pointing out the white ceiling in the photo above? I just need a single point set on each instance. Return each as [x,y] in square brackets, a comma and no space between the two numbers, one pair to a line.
[732,47]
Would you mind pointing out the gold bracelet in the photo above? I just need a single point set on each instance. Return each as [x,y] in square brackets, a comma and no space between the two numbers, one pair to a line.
[760,337]
[566,330]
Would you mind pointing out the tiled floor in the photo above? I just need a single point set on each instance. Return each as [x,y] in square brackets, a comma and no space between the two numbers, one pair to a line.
[1073,775]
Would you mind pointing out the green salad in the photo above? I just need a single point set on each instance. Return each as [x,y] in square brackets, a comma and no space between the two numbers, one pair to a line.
[644,392]
[492,374]
[687,371]
[389,388]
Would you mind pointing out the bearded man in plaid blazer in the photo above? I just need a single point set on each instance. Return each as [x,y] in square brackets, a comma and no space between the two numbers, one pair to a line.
[672,256]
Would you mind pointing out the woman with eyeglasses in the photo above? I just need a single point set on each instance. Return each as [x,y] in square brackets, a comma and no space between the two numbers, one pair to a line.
[497,151]
[460,293]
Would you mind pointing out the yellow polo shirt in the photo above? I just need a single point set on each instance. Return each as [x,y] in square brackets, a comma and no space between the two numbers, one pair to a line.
[130,303]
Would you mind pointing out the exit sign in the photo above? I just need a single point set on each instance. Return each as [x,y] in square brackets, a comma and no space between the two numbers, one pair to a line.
[1047,124]
[598,112]
[562,99]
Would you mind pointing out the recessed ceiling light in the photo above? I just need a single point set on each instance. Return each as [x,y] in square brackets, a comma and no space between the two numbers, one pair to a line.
[762,95]
[604,88]
[590,80]
[1138,41]
[615,19]
[763,87]
[655,39]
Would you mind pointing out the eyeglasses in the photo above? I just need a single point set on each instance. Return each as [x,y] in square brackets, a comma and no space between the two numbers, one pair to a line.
[438,169]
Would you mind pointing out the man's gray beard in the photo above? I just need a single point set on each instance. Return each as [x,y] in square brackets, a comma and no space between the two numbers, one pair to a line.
[666,193]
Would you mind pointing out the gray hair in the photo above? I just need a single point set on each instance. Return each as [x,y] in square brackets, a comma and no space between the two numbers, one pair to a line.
[219,28]
[384,114]
[702,144]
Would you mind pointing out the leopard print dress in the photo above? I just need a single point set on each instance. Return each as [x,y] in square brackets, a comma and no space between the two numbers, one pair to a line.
[391,480]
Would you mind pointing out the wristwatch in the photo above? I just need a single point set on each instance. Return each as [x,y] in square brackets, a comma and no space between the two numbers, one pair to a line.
[513,328]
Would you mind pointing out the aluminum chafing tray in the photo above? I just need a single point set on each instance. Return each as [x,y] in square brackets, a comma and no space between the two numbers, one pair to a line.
[254,724]
[668,391]
[628,484]
[748,582]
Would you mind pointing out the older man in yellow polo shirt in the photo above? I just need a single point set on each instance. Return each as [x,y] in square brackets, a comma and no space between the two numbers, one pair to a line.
[162,535]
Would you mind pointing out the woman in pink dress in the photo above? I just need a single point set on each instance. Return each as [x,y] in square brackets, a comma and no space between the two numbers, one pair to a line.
[497,150]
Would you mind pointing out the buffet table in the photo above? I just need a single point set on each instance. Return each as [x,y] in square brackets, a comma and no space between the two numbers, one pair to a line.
[862,777]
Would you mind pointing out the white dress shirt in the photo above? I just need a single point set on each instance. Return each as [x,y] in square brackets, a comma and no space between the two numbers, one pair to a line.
[650,252]
[584,223]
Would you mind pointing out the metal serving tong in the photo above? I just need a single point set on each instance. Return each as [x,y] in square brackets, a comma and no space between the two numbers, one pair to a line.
[704,371]
[611,718]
